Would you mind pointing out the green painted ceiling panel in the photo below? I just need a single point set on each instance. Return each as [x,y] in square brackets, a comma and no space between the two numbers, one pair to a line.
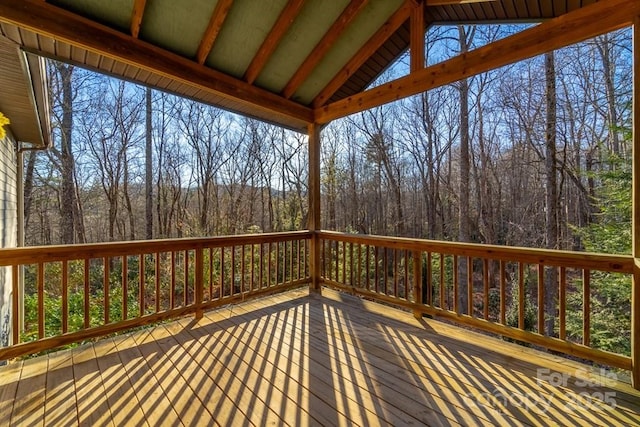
[113,13]
[247,25]
[314,21]
[354,37]
[177,26]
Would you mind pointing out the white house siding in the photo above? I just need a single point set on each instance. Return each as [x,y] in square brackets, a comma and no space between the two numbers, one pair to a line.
[8,229]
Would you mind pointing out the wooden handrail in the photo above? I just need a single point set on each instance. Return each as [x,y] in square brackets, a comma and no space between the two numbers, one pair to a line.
[123,285]
[435,276]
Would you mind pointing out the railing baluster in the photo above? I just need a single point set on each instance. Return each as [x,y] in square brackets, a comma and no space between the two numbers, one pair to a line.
[65,297]
[269,278]
[367,266]
[470,287]
[291,274]
[443,299]
[222,272]
[211,274]
[417,281]
[157,279]
[106,289]
[198,286]
[344,262]
[86,294]
[242,268]
[586,307]
[405,293]
[503,294]
[541,289]
[562,299]
[172,296]
[261,273]
[396,273]
[15,299]
[455,304]
[253,268]
[40,300]
[377,266]
[141,286]
[125,286]
[427,280]
[485,282]
[521,267]
[185,301]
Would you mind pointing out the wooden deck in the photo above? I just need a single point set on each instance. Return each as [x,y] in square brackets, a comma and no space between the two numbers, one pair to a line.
[300,359]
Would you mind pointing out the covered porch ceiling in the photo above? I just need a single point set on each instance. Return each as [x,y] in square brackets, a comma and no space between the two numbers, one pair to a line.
[290,62]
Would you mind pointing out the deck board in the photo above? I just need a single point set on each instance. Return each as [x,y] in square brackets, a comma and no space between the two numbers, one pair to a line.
[299,359]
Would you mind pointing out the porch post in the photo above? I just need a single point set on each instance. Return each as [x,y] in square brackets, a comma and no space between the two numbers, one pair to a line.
[635,283]
[314,205]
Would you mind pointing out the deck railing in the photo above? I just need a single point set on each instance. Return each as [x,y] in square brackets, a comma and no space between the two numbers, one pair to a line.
[496,289]
[75,292]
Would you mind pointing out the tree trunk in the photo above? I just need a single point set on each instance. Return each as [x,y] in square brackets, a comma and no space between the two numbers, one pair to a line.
[148,169]
[551,190]
[68,194]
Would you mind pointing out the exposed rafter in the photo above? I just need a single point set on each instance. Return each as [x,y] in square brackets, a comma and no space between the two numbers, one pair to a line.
[51,21]
[365,52]
[213,29]
[346,17]
[416,42]
[565,30]
[270,43]
[136,17]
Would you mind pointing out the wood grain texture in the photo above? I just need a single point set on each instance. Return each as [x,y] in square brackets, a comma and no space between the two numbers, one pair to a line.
[300,359]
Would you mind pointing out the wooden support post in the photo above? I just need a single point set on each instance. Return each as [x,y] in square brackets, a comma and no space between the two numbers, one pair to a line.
[314,206]
[198,284]
[635,281]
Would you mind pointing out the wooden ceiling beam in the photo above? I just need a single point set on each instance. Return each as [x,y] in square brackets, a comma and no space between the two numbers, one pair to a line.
[322,47]
[213,29]
[270,43]
[51,21]
[565,30]
[366,51]
[136,17]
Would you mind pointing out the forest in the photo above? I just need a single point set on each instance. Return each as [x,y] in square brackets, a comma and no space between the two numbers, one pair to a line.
[536,154]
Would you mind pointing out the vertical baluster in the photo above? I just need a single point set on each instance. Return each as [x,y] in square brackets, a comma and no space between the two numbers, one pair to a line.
[291,274]
[106,289]
[269,265]
[125,286]
[485,282]
[157,279]
[443,298]
[470,287]
[233,271]
[503,294]
[376,257]
[521,267]
[242,268]
[222,272]
[65,297]
[185,295]
[87,321]
[211,274]
[586,307]
[172,296]
[429,281]
[141,285]
[253,260]
[198,286]
[562,300]
[454,303]
[405,294]
[351,281]
[359,267]
[541,290]
[15,301]
[396,272]
[298,245]
[367,266]
[344,262]
[40,300]
[385,273]
[261,272]
[417,281]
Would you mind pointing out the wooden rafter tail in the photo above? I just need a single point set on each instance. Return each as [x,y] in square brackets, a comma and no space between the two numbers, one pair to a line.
[270,43]
[322,47]
[213,29]
[366,51]
[136,17]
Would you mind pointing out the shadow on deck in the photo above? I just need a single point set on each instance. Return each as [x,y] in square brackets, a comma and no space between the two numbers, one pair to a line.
[300,359]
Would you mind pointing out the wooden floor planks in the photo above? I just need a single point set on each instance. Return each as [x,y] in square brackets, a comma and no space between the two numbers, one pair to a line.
[298,359]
